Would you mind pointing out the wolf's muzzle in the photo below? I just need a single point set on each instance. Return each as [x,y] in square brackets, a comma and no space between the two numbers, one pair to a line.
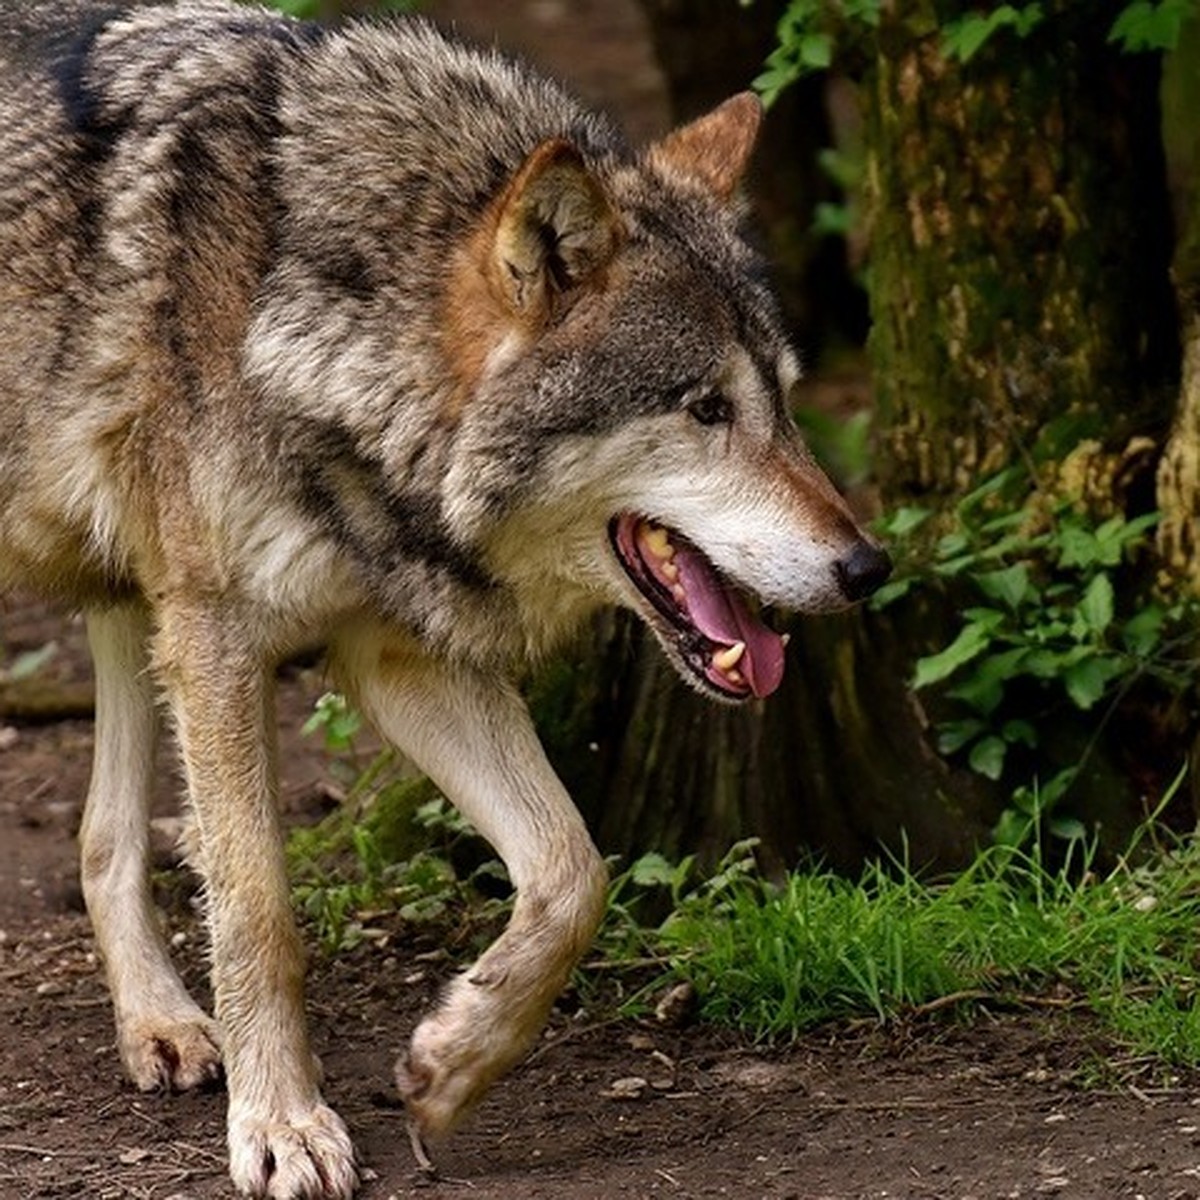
[863,570]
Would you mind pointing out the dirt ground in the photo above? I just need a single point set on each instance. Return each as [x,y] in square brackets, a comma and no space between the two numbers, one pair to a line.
[992,1110]
[936,1110]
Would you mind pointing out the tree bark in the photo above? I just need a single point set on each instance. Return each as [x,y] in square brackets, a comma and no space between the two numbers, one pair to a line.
[1179,472]
[1020,236]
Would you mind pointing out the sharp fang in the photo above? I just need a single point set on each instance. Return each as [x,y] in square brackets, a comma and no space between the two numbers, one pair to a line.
[656,539]
[785,638]
[726,660]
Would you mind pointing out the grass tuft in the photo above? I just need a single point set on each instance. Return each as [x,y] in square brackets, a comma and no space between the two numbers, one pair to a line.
[776,959]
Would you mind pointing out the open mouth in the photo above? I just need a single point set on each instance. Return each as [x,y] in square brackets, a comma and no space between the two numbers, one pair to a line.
[705,620]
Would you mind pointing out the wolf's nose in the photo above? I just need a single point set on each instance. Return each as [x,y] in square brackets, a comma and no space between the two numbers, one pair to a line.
[863,570]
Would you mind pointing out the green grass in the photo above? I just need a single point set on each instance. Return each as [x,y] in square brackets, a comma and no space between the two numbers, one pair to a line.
[775,960]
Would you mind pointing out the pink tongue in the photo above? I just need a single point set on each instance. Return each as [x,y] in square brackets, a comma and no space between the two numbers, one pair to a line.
[721,615]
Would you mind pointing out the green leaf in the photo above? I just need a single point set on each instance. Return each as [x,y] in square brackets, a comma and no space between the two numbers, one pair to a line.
[970,643]
[892,591]
[833,220]
[1147,26]
[954,735]
[983,688]
[1019,731]
[1087,681]
[904,520]
[1077,547]
[1013,829]
[1142,633]
[816,51]
[652,870]
[1096,607]
[963,38]
[951,545]
[1069,829]
[987,757]
[1010,585]
[1053,790]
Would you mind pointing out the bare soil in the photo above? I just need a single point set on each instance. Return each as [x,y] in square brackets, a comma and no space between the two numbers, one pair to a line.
[935,1109]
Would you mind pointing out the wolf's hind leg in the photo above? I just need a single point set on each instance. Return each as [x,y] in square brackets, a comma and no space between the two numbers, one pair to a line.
[474,737]
[165,1039]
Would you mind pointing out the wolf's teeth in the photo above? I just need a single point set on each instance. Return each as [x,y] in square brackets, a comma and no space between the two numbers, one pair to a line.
[726,660]
[657,541]
[735,677]
[669,569]
[678,592]
[785,638]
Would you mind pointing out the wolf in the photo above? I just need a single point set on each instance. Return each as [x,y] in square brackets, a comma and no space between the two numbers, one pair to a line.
[364,338]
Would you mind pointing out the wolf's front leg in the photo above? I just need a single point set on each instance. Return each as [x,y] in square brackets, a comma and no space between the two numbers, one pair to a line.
[164,1037]
[472,734]
[284,1141]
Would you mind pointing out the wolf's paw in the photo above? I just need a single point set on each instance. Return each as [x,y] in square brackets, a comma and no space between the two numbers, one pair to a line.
[455,1055]
[306,1156]
[172,1053]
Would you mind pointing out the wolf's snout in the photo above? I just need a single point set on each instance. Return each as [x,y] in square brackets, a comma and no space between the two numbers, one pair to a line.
[863,570]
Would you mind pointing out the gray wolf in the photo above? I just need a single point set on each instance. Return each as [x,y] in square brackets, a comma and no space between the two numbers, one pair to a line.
[364,338]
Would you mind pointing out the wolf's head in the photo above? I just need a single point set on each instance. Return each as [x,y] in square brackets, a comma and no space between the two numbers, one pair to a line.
[625,430]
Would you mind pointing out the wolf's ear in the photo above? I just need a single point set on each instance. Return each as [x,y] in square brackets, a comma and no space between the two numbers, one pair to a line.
[557,229]
[714,149]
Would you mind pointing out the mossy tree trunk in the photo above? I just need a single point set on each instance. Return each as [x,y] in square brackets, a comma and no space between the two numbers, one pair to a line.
[1020,235]
[1179,473]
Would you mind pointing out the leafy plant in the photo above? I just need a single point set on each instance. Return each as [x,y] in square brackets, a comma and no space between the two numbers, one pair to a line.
[1144,25]
[963,37]
[811,33]
[1044,625]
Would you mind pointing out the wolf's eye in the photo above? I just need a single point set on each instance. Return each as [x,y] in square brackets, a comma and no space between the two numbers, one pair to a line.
[711,409]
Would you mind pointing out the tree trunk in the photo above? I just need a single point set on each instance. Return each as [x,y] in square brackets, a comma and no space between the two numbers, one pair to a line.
[1020,235]
[1179,473]
[829,765]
